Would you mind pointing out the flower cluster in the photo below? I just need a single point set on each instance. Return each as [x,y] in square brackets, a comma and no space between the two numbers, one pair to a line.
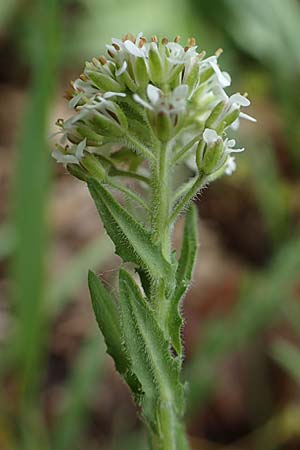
[144,93]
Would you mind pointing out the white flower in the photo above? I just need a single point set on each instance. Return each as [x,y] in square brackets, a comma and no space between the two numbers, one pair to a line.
[230,165]
[210,136]
[171,103]
[74,155]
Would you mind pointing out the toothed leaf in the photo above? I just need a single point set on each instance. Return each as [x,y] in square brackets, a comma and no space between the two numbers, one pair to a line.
[148,348]
[108,319]
[132,242]
[184,275]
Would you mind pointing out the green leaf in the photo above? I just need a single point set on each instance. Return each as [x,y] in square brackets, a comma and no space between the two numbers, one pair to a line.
[107,317]
[183,276]
[108,320]
[148,349]
[132,242]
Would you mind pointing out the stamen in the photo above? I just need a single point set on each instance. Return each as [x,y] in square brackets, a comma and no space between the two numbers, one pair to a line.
[191,42]
[142,42]
[128,37]
[218,52]
[154,39]
[83,77]
[164,41]
[95,61]
[102,60]
[110,54]
[177,39]
[116,46]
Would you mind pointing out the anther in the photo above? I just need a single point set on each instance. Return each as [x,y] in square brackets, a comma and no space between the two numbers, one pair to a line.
[154,39]
[218,52]
[102,60]
[177,39]
[191,42]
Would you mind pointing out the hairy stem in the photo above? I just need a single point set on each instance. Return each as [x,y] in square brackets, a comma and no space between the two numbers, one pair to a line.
[170,433]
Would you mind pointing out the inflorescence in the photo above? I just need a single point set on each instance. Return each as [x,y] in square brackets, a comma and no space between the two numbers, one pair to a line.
[148,92]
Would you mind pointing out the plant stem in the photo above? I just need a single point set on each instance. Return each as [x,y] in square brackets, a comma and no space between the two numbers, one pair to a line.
[161,200]
[199,182]
[170,434]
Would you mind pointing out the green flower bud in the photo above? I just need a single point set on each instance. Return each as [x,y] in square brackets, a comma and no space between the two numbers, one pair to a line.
[106,126]
[214,114]
[193,78]
[163,126]
[92,138]
[212,157]
[231,117]
[78,172]
[155,64]
[93,166]
[104,82]
[141,72]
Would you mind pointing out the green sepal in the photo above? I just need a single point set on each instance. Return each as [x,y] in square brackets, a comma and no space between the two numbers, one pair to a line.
[214,114]
[155,65]
[193,78]
[78,172]
[108,319]
[104,82]
[105,126]
[94,167]
[141,72]
[163,126]
[151,361]
[184,275]
[132,242]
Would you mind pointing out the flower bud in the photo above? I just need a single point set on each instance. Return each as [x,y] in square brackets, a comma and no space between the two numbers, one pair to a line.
[106,126]
[94,167]
[212,157]
[78,172]
[141,72]
[214,114]
[155,64]
[193,78]
[163,126]
[104,82]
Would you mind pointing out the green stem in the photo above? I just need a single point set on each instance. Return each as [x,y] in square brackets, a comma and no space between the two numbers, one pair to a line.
[161,200]
[196,186]
[172,434]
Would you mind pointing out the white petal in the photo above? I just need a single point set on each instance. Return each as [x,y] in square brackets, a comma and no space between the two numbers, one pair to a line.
[75,100]
[133,49]
[122,69]
[239,99]
[235,150]
[139,35]
[64,159]
[235,125]
[223,77]
[181,91]
[113,94]
[153,93]
[230,165]
[210,136]
[219,93]
[142,102]
[247,117]
[80,149]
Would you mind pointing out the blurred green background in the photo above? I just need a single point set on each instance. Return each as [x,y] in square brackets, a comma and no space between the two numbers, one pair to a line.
[58,389]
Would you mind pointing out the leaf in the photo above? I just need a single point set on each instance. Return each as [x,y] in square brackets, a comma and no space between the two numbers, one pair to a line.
[108,319]
[152,363]
[132,241]
[183,276]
